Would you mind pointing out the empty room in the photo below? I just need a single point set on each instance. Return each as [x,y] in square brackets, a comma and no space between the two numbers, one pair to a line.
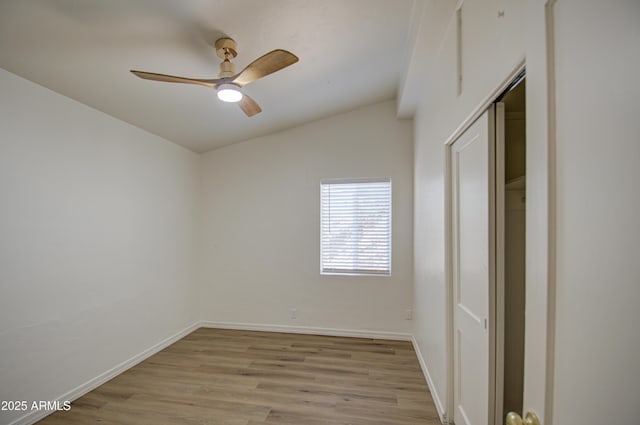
[379,212]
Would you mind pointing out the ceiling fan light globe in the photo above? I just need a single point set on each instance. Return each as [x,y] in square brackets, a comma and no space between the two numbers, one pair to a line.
[229,93]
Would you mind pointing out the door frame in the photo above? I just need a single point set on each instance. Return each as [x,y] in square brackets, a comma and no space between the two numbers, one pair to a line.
[449,242]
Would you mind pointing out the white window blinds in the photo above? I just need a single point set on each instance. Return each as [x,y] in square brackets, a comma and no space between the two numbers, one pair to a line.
[356,227]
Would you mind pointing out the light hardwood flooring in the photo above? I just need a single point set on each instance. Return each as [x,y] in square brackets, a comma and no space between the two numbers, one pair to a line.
[231,377]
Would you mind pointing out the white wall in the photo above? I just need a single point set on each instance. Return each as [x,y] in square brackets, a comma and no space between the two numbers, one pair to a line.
[98,242]
[597,377]
[261,225]
[596,276]
[439,114]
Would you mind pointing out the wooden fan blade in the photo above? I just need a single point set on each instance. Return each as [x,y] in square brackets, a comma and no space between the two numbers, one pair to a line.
[249,106]
[211,83]
[265,65]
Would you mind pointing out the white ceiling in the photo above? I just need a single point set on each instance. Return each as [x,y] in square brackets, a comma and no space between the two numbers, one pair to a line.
[351,54]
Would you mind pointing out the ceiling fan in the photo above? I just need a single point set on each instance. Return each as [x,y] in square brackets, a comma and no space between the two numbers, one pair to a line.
[229,84]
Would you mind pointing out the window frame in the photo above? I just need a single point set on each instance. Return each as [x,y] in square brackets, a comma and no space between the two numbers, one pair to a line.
[329,181]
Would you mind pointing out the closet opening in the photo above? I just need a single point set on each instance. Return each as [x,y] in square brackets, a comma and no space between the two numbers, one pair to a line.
[513,294]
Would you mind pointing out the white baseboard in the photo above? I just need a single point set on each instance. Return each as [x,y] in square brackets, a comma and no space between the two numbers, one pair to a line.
[397,336]
[36,415]
[432,389]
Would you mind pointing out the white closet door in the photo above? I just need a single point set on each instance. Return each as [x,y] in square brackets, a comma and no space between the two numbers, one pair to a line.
[473,196]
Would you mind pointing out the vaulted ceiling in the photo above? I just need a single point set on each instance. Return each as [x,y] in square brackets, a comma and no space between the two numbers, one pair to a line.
[352,53]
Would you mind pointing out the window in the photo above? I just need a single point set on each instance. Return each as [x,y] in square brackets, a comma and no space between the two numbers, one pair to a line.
[355,227]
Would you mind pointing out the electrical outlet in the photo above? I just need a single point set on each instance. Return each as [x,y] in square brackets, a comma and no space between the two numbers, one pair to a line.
[408,314]
[294,313]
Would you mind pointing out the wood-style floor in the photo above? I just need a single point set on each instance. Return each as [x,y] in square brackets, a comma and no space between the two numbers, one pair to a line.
[230,377]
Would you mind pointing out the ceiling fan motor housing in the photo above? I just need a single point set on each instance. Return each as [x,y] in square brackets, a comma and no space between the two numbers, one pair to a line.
[227,69]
